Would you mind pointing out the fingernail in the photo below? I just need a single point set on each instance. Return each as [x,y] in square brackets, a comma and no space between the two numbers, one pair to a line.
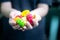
[25,27]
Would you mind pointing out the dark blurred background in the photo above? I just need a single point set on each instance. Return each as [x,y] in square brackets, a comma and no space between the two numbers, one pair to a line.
[52,19]
[53,15]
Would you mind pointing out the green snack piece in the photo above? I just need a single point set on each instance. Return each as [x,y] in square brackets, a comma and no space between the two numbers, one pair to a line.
[20,22]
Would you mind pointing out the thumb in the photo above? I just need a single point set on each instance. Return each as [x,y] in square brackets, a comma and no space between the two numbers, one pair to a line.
[12,22]
[35,22]
[13,14]
[37,17]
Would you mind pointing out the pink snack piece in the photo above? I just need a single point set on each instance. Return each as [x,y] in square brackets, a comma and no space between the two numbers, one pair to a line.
[30,18]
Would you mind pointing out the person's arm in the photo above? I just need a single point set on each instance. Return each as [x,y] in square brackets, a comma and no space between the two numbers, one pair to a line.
[6,8]
[41,10]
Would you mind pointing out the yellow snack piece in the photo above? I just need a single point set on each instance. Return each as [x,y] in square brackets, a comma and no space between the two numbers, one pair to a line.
[25,12]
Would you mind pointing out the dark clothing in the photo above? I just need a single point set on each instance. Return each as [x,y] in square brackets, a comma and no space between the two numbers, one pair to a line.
[27,4]
[34,34]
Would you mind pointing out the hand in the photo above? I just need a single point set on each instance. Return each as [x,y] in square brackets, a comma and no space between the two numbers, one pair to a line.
[13,14]
[13,23]
[36,19]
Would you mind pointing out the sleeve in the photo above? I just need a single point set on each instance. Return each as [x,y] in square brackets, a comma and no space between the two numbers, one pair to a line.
[4,1]
[49,2]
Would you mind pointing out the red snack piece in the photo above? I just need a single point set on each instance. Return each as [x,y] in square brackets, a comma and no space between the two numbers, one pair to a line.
[30,18]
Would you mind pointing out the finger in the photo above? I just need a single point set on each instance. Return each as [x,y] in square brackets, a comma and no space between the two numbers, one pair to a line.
[29,26]
[35,22]
[12,22]
[21,29]
[37,17]
[15,27]
[25,28]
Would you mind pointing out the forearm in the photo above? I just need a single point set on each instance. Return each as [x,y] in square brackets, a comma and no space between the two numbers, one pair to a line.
[42,10]
[6,8]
